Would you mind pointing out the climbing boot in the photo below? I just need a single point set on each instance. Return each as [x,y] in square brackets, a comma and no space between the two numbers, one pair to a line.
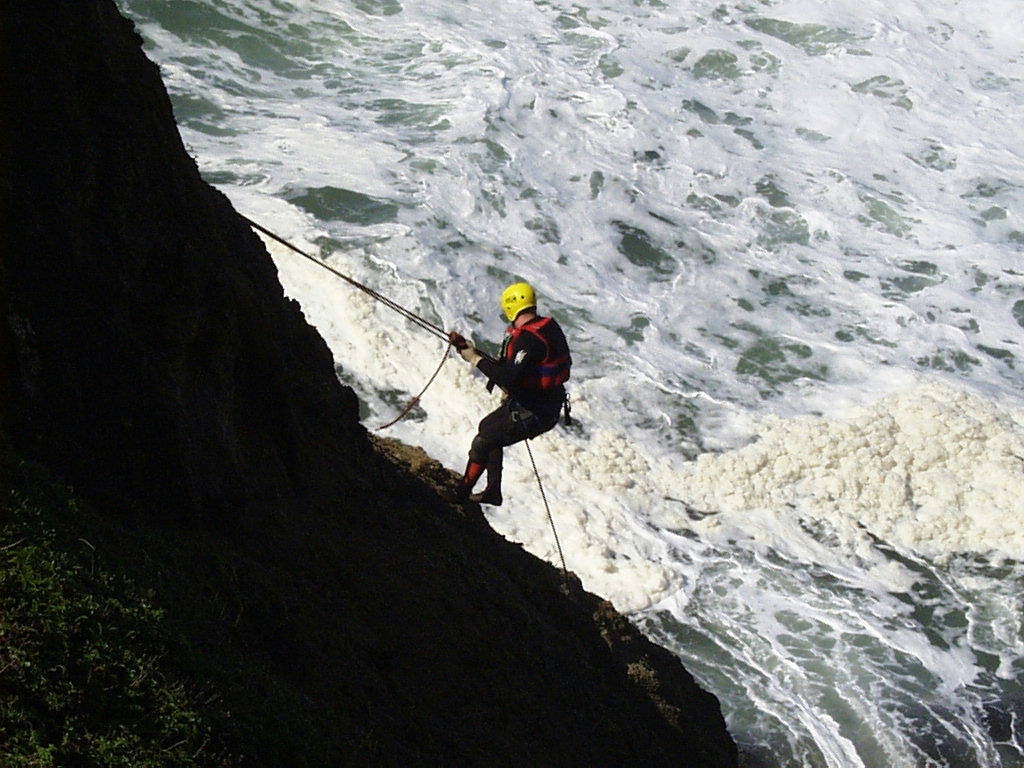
[457,493]
[490,496]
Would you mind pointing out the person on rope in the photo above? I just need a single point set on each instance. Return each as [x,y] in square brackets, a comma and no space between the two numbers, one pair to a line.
[531,369]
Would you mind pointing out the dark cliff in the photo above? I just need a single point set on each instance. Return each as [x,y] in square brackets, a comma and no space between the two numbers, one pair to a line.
[153,362]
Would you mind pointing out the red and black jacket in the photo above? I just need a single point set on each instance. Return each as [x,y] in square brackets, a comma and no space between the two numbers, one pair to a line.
[533,366]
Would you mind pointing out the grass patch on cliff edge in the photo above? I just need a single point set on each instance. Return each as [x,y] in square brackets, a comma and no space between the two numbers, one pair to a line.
[82,649]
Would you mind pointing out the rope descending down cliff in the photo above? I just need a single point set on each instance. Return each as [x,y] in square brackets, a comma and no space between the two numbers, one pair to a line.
[405,312]
[422,322]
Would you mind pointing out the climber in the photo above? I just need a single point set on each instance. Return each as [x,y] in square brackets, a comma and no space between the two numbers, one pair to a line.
[532,369]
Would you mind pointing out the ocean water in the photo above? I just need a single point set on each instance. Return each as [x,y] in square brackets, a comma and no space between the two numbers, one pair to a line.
[785,239]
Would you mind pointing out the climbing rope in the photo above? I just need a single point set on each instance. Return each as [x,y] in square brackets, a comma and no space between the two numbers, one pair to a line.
[403,311]
[415,401]
[544,498]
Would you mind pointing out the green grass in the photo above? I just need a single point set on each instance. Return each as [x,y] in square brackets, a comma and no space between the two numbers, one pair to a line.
[83,678]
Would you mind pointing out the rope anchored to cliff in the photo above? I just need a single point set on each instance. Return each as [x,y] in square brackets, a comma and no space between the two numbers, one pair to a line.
[408,314]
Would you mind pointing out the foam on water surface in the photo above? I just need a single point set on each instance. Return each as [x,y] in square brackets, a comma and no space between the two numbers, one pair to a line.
[935,469]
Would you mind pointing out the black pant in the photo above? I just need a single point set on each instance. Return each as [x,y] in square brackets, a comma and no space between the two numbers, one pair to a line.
[507,424]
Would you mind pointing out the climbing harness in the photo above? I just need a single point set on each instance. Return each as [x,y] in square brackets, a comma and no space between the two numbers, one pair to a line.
[551,520]
[403,311]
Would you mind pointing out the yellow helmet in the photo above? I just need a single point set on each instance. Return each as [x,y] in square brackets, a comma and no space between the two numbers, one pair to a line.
[516,298]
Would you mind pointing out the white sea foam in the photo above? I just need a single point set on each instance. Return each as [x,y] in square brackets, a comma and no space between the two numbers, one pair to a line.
[936,470]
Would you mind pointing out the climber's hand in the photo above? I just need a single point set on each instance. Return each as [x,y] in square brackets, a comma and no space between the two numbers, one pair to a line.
[470,354]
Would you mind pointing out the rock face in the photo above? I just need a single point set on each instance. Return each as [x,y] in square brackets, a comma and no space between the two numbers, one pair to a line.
[156,353]
[157,367]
